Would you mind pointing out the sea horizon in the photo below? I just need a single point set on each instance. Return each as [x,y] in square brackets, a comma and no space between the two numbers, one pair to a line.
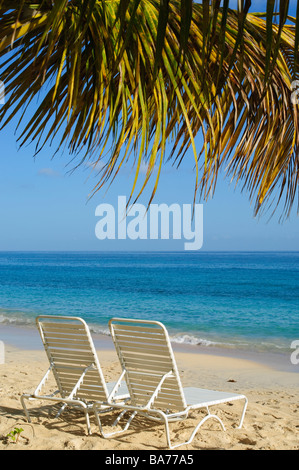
[150,251]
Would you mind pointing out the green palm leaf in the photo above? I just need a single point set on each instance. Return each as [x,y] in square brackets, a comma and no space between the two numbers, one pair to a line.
[128,80]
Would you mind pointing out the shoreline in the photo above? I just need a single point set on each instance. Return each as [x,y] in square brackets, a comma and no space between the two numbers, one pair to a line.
[27,338]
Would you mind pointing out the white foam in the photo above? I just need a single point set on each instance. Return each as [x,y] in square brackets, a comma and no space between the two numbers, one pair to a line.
[15,319]
[190,339]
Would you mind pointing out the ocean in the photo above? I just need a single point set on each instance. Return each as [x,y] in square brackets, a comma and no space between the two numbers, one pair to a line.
[231,300]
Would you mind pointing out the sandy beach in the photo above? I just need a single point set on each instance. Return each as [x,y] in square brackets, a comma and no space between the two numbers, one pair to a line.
[271,421]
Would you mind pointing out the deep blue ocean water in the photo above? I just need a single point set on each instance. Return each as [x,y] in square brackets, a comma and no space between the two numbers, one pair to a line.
[230,300]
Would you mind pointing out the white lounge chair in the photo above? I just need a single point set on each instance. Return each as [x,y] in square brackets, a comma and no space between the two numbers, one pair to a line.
[152,377]
[75,366]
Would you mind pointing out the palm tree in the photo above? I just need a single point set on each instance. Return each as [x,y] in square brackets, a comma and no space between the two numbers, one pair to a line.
[124,80]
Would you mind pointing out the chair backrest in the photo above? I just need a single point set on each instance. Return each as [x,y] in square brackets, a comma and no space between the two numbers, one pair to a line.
[145,353]
[70,350]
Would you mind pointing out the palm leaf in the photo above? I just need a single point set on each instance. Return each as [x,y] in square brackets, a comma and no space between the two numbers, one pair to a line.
[126,80]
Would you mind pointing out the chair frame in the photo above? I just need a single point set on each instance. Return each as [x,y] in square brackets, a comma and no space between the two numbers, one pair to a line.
[69,399]
[156,414]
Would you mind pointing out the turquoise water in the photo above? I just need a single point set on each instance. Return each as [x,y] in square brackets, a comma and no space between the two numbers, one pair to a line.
[230,300]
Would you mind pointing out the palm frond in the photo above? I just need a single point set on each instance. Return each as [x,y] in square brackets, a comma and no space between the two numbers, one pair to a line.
[124,79]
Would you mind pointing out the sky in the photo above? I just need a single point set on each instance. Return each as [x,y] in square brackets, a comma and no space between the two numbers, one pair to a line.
[46,207]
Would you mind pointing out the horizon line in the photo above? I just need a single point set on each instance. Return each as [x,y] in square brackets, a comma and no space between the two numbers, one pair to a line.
[149,251]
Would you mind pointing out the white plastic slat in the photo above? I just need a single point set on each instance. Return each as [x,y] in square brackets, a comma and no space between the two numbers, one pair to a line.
[163,392]
[165,402]
[56,345]
[157,360]
[62,326]
[157,339]
[140,340]
[167,394]
[146,349]
[147,367]
[148,380]
[143,397]
[92,382]
[80,337]
[69,351]
[86,396]
[142,329]
[70,379]
[77,340]
[148,359]
[85,357]
[70,368]
[92,389]
[79,362]
[132,366]
[68,386]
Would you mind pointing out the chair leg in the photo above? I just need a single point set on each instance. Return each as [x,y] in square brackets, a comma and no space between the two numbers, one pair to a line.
[119,417]
[106,435]
[25,408]
[243,413]
[209,415]
[85,410]
[88,423]
[166,424]
[84,407]
[61,410]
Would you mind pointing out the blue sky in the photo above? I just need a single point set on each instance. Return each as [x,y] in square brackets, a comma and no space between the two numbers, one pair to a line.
[44,207]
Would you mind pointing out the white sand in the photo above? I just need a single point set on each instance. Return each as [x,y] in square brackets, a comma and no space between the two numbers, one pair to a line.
[271,421]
